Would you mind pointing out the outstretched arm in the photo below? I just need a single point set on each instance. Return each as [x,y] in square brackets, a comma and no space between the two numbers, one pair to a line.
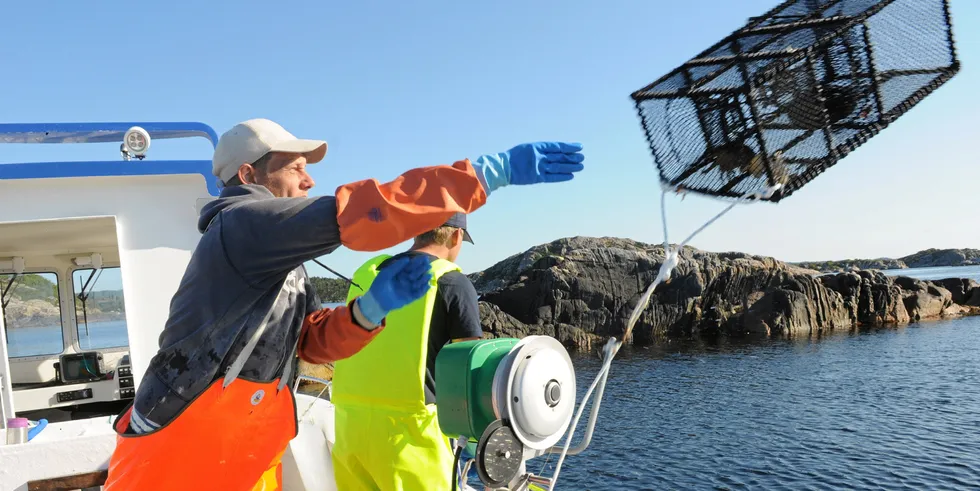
[265,237]
[373,216]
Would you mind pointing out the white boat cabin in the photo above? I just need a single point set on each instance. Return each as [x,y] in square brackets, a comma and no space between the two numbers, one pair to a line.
[90,253]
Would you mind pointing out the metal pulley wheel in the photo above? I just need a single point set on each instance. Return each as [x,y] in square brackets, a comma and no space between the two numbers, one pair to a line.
[499,455]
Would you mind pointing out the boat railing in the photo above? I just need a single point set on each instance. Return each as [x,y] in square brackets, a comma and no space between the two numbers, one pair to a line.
[108,132]
[101,132]
[318,380]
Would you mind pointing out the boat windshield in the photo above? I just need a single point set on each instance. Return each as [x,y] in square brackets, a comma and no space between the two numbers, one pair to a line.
[100,309]
[32,314]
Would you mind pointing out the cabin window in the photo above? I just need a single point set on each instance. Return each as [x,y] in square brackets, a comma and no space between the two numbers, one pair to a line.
[32,314]
[100,313]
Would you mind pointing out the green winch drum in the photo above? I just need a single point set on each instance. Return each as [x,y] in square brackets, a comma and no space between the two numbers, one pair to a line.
[528,383]
[465,372]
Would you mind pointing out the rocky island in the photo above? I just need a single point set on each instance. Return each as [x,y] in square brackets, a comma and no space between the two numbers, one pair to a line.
[581,290]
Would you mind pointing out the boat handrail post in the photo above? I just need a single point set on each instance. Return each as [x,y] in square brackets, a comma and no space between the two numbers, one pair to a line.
[6,384]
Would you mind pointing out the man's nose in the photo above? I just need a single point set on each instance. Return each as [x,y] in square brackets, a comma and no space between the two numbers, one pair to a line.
[308,182]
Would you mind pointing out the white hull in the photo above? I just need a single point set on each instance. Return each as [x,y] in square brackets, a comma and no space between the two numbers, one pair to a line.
[306,464]
[84,446]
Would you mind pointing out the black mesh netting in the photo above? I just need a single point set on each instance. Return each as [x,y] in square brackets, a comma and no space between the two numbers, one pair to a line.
[793,92]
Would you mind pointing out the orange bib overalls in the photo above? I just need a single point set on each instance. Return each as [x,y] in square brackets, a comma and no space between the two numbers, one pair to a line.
[230,438]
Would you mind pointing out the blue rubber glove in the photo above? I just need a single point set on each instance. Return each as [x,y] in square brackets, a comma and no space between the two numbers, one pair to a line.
[397,285]
[530,163]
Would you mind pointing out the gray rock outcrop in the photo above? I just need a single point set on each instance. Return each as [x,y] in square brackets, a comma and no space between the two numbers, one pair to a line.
[582,290]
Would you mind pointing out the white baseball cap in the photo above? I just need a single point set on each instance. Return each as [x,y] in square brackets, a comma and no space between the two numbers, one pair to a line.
[248,141]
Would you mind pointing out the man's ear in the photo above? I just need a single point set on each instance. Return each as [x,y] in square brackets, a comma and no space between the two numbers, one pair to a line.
[246,174]
[457,237]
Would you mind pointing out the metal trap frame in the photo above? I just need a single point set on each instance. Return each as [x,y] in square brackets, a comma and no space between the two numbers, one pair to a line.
[784,98]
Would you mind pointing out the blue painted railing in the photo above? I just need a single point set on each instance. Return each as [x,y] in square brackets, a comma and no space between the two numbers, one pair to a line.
[105,133]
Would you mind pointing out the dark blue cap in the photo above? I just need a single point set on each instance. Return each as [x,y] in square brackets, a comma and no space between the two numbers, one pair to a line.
[458,220]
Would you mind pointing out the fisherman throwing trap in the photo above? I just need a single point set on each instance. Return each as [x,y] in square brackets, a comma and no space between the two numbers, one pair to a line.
[215,406]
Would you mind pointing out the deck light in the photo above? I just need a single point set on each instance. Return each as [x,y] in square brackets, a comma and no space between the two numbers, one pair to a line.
[136,142]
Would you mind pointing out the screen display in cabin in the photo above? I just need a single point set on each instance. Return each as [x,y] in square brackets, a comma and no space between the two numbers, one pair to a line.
[81,367]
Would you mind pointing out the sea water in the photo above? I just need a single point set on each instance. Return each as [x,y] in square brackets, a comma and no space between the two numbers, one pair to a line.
[890,408]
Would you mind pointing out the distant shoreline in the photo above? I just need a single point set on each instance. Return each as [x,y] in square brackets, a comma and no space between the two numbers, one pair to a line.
[928,258]
[49,321]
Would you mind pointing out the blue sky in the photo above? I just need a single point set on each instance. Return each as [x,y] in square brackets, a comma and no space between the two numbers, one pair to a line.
[392,86]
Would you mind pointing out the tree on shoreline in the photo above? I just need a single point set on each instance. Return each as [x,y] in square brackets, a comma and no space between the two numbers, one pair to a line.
[330,290]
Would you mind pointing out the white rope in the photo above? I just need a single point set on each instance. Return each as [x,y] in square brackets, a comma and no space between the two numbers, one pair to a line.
[663,216]
[610,352]
[671,260]
[671,255]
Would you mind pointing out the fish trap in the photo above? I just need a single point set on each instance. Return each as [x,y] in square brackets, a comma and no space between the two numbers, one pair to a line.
[792,92]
